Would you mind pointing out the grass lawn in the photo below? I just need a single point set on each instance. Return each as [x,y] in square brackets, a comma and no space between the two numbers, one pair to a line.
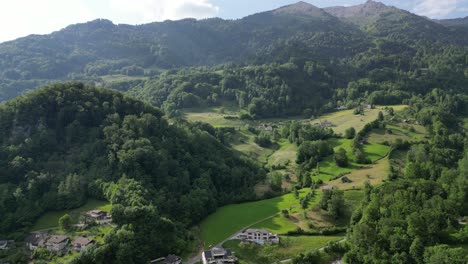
[343,120]
[288,248]
[286,152]
[244,143]
[376,151]
[231,218]
[399,131]
[281,225]
[375,174]
[50,219]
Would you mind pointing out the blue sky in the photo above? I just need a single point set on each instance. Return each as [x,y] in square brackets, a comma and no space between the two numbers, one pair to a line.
[23,17]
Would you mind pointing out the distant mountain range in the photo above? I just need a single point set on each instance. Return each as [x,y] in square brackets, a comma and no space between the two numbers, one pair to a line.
[99,48]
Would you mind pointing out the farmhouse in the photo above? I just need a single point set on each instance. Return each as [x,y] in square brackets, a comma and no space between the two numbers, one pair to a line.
[81,243]
[98,216]
[327,188]
[57,243]
[36,240]
[171,259]
[324,124]
[258,236]
[218,256]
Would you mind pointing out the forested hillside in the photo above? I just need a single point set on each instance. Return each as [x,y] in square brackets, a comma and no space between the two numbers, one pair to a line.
[366,41]
[65,143]
[415,218]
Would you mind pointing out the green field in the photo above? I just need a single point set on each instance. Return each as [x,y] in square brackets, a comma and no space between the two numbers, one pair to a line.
[288,248]
[229,219]
[343,120]
[286,152]
[398,131]
[50,219]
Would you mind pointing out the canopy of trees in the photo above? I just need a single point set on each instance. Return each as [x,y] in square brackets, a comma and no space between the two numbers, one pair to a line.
[64,143]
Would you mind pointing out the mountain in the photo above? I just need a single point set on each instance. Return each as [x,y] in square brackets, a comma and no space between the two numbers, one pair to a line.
[99,47]
[368,9]
[386,21]
[65,143]
[354,42]
[455,22]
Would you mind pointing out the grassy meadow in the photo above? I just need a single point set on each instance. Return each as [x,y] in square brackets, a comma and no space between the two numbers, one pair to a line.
[50,219]
[231,218]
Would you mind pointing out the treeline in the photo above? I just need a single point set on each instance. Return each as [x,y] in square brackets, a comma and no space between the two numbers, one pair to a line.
[68,142]
[415,217]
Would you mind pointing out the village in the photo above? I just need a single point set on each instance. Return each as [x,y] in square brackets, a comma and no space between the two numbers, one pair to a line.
[54,242]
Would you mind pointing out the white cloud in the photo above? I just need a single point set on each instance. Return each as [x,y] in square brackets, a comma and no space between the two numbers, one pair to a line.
[144,11]
[437,8]
[19,18]
[22,17]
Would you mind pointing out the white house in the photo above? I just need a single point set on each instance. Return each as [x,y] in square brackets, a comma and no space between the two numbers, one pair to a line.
[259,236]
[218,256]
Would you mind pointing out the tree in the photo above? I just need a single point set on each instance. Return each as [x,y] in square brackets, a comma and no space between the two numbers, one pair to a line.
[336,204]
[341,158]
[361,157]
[65,222]
[350,133]
[381,116]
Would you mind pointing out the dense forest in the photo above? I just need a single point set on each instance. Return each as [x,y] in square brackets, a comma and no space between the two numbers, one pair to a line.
[68,142]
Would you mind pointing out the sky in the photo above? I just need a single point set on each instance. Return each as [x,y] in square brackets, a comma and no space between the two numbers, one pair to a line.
[20,18]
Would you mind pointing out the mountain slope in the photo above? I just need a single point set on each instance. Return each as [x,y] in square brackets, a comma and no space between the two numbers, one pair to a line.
[99,47]
[455,22]
[65,143]
[396,24]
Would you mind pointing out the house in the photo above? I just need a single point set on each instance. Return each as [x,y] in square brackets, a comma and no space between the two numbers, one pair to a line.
[3,244]
[258,236]
[98,216]
[36,240]
[327,188]
[57,243]
[218,256]
[346,180]
[324,124]
[171,259]
[341,107]
[81,243]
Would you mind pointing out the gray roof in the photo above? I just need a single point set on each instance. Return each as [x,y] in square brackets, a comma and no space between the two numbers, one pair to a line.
[172,259]
[262,231]
[3,243]
[208,254]
[35,238]
[82,241]
[55,239]
[218,252]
